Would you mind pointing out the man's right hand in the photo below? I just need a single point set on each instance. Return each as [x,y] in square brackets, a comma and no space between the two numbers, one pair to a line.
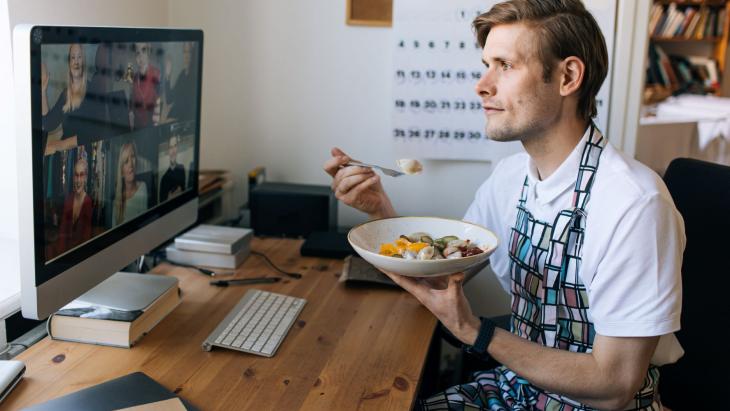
[358,187]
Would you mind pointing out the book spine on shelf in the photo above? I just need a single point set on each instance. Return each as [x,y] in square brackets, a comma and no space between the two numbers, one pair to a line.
[692,25]
[689,16]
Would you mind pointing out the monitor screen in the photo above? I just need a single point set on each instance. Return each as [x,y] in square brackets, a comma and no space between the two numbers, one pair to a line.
[116,119]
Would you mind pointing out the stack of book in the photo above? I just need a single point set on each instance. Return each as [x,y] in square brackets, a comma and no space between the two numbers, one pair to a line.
[690,23]
[693,74]
[211,246]
[79,321]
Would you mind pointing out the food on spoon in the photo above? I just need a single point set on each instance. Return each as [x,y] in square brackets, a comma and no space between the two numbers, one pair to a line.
[410,166]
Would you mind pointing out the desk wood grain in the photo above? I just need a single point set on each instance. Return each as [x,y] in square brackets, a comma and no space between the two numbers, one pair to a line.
[349,349]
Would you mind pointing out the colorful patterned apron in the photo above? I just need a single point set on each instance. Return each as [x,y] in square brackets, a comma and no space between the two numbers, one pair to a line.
[549,304]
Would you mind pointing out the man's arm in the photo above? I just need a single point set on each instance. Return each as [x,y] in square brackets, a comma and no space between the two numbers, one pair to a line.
[606,378]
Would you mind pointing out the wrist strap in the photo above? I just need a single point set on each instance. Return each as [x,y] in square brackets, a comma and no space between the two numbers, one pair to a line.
[486,332]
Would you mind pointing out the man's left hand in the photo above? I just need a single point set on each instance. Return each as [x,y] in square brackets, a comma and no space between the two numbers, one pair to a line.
[444,297]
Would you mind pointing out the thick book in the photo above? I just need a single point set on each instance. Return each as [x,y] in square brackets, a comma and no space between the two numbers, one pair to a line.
[93,324]
[200,258]
[120,393]
[214,239]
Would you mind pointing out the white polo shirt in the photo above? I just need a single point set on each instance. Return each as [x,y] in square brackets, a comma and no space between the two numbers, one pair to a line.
[634,237]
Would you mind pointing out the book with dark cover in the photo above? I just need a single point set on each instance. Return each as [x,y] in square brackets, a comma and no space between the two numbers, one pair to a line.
[100,313]
[123,392]
[357,271]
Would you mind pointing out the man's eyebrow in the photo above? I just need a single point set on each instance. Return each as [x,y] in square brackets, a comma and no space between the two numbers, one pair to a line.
[498,59]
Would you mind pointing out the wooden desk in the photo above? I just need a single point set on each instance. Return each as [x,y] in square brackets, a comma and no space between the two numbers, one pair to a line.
[350,348]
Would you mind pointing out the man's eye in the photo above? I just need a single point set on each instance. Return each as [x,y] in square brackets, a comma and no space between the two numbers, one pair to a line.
[506,66]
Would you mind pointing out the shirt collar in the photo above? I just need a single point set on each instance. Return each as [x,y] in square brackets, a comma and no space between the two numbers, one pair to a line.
[547,190]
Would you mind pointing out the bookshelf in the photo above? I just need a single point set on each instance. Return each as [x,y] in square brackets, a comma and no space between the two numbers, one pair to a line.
[687,48]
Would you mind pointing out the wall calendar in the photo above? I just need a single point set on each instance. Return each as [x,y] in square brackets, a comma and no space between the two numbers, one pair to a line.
[437,113]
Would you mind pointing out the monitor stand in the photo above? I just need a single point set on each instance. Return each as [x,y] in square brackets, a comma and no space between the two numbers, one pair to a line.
[4,348]
[128,291]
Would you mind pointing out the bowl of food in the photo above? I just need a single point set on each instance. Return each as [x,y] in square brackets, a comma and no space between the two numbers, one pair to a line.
[422,246]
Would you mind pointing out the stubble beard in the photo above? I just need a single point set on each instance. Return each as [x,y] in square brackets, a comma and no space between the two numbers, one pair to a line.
[514,132]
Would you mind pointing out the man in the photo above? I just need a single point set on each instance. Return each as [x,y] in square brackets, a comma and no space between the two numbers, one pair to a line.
[173,181]
[591,241]
[181,97]
[145,89]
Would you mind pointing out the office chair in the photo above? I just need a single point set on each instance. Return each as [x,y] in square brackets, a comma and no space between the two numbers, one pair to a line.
[701,192]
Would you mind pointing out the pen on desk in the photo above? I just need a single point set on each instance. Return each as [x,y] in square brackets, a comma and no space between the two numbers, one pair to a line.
[243,281]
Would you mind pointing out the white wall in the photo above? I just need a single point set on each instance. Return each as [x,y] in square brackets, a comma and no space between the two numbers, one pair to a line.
[152,13]
[9,277]
[285,81]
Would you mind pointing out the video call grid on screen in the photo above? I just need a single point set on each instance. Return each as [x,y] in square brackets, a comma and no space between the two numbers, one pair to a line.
[115,133]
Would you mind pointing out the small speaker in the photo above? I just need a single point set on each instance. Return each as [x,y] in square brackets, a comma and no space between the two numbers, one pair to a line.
[291,210]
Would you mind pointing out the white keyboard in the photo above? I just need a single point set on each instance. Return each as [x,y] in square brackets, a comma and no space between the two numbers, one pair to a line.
[257,324]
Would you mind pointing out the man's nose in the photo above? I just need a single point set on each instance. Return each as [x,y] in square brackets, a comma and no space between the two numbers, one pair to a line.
[486,84]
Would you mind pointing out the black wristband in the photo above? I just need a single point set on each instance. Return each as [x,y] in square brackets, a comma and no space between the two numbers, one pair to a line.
[486,332]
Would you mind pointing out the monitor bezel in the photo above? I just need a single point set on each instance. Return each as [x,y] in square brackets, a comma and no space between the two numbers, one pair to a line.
[46,35]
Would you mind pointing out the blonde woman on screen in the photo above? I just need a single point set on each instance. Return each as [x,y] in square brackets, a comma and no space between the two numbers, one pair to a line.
[71,110]
[130,199]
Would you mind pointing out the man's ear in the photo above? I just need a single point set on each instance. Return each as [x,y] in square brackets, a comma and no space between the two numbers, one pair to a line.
[572,70]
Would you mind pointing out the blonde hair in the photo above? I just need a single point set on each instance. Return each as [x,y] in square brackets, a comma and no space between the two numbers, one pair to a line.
[128,149]
[82,161]
[74,98]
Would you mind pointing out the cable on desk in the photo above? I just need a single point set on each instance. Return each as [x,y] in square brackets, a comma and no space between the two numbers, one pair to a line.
[293,275]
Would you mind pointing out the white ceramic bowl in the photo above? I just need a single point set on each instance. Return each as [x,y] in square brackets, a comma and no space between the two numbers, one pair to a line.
[366,239]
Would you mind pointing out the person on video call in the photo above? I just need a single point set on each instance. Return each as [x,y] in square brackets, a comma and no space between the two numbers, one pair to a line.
[145,89]
[173,181]
[77,210]
[130,194]
[584,324]
[108,103]
[71,110]
[182,96]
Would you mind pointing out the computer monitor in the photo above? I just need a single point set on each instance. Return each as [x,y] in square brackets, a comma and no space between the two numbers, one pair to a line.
[108,141]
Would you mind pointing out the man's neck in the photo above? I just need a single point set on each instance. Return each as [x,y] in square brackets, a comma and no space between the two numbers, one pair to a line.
[549,149]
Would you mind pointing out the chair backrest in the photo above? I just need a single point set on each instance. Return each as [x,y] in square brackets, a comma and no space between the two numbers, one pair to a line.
[701,192]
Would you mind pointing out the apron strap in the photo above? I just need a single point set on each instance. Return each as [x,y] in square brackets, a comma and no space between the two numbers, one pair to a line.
[567,237]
